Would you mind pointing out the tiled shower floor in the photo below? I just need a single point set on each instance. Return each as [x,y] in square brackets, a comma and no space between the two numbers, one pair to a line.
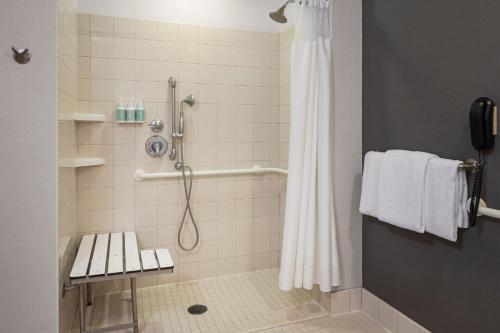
[250,302]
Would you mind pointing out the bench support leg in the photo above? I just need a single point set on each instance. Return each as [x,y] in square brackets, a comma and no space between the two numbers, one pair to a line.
[82,309]
[89,294]
[134,305]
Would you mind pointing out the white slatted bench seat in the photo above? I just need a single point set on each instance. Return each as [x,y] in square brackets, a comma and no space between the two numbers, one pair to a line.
[112,256]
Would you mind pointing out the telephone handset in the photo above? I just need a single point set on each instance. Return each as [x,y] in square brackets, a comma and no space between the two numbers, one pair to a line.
[483,129]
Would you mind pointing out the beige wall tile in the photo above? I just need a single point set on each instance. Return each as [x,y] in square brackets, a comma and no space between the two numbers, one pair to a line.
[146,49]
[124,27]
[388,317]
[406,325]
[207,55]
[130,60]
[355,299]
[101,46]
[188,53]
[167,51]
[145,29]
[339,302]
[188,73]
[167,31]
[188,33]
[101,90]
[146,71]
[226,56]
[84,45]
[370,304]
[124,48]
[83,27]
[226,37]
[261,261]
[101,68]
[101,25]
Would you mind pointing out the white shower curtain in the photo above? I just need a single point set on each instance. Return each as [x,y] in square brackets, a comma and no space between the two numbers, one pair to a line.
[309,253]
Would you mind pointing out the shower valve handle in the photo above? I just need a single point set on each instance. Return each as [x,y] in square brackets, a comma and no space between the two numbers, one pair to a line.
[157,148]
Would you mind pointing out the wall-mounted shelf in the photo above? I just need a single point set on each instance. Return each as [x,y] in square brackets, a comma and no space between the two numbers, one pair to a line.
[84,117]
[81,162]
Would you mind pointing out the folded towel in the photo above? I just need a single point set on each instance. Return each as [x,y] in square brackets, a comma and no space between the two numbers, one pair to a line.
[445,198]
[371,178]
[401,188]
[463,212]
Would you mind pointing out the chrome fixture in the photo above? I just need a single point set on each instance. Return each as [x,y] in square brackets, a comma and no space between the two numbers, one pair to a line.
[188,183]
[173,151]
[21,56]
[156,125]
[156,146]
[189,100]
[279,15]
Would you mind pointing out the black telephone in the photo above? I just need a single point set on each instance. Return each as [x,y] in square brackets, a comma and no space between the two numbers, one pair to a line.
[483,129]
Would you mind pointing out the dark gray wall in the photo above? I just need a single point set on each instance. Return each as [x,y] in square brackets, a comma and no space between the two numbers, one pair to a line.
[424,62]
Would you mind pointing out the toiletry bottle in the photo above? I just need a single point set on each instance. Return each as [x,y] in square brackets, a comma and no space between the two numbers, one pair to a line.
[139,111]
[130,112]
[120,112]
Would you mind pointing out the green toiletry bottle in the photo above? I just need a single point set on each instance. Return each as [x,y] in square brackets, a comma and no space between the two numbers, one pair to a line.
[130,114]
[139,112]
[120,112]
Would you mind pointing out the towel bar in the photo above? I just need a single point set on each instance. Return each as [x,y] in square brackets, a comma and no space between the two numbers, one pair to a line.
[469,165]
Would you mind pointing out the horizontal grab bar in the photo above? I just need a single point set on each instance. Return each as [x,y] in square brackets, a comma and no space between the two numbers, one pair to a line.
[140,174]
[485,211]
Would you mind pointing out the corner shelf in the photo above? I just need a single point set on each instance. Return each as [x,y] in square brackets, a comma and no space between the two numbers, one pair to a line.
[83,117]
[81,162]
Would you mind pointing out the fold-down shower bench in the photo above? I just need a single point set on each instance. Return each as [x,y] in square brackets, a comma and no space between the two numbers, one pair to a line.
[105,257]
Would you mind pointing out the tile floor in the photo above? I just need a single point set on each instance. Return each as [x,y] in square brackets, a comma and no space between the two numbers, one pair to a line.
[250,302]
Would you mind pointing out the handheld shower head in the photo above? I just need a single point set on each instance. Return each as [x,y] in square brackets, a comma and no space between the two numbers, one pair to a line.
[190,100]
[279,15]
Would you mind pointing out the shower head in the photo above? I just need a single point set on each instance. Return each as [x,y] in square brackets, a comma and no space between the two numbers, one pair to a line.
[190,100]
[279,15]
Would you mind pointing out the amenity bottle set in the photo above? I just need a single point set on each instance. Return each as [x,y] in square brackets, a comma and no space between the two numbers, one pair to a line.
[130,112]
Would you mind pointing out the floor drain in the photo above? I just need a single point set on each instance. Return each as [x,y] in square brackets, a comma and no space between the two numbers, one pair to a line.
[197,309]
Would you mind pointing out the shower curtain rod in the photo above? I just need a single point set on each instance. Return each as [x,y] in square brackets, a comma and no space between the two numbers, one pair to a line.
[140,174]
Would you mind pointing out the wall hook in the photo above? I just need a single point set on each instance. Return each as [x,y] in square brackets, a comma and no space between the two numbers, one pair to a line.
[21,56]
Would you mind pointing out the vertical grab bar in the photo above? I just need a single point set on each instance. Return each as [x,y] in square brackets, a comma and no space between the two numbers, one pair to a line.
[173,151]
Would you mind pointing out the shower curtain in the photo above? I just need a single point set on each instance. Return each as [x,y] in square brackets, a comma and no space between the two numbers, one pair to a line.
[309,250]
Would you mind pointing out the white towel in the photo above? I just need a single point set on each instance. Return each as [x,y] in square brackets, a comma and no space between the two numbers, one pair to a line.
[401,191]
[445,198]
[463,212]
[371,178]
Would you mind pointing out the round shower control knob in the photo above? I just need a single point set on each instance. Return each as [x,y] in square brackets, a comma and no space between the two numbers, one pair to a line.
[156,146]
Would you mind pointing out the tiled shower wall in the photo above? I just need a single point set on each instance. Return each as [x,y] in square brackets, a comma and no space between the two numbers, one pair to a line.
[235,76]
[67,148]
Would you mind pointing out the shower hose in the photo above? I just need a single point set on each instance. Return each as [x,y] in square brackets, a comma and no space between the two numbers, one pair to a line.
[188,186]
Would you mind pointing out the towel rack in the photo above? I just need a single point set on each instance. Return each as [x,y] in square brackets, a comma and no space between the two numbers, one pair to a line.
[469,165]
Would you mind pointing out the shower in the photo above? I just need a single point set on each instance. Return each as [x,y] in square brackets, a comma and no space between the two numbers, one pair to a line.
[187,177]
[279,15]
